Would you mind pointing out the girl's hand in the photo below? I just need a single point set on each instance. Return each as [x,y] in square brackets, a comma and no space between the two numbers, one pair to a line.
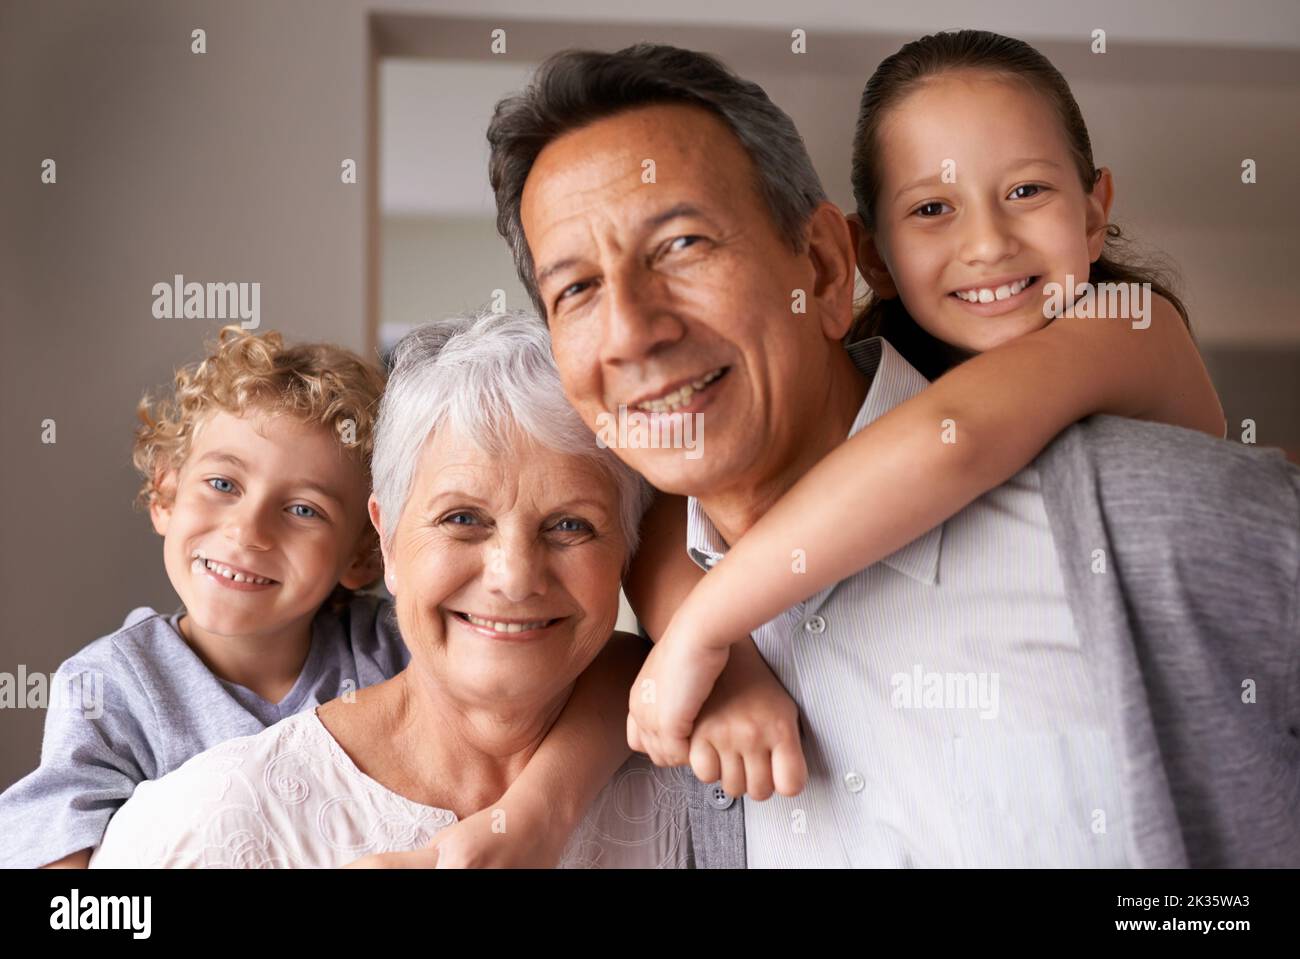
[528,841]
[669,692]
[747,734]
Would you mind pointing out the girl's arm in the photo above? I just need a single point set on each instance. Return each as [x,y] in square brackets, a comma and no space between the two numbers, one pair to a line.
[898,478]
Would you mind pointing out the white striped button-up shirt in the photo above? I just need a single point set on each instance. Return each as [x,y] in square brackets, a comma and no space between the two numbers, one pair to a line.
[946,712]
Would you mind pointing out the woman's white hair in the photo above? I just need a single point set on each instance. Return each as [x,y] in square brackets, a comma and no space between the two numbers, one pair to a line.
[491,378]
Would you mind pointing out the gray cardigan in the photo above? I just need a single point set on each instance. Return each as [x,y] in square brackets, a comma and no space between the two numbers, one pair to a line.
[1192,634]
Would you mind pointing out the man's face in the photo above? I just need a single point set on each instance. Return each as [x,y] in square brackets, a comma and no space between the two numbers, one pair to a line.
[673,296]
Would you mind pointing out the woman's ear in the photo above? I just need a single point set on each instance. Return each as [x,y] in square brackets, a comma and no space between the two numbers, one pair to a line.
[162,500]
[1099,201]
[380,557]
[870,263]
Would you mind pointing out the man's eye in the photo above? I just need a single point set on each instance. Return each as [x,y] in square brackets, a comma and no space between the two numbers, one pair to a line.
[573,289]
[1033,187]
[307,511]
[932,209]
[221,484]
[682,242]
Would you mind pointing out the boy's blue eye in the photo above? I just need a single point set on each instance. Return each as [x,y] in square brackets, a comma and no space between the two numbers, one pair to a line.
[308,513]
[217,481]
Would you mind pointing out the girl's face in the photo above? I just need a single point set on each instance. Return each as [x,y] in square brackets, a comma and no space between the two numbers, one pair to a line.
[979,207]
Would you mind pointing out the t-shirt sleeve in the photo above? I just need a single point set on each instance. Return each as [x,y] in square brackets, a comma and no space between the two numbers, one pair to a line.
[94,752]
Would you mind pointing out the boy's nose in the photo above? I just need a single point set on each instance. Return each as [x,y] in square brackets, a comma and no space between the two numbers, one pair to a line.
[247,526]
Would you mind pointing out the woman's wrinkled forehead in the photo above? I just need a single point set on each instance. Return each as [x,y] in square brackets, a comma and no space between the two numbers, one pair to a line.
[520,476]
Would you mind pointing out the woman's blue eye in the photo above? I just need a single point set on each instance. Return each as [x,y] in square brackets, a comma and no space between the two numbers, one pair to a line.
[216,482]
[456,516]
[1028,186]
[577,526]
[308,513]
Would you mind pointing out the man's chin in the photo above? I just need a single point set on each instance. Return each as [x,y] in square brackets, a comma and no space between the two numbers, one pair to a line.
[679,472]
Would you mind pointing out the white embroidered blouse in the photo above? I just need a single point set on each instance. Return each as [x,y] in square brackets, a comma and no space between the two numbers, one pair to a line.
[290,797]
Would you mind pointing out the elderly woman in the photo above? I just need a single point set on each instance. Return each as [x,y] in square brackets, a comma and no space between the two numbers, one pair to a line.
[505,530]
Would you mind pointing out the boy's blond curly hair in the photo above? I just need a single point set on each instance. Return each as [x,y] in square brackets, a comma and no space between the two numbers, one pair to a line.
[316,383]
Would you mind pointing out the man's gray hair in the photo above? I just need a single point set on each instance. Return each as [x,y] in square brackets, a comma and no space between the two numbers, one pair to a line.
[489,377]
[574,88]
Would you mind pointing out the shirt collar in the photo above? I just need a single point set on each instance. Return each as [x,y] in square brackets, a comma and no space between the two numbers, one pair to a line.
[893,381]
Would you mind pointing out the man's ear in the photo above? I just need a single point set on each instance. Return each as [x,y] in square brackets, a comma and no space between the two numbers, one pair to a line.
[378,559]
[830,248]
[870,262]
[1099,202]
[162,500]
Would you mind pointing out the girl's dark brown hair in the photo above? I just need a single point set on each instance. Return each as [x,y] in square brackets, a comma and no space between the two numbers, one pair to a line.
[898,76]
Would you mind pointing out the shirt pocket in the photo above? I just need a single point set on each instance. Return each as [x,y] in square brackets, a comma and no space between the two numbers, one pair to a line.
[1038,800]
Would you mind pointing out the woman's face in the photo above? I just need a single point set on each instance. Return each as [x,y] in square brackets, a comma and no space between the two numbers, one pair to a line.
[979,192]
[505,568]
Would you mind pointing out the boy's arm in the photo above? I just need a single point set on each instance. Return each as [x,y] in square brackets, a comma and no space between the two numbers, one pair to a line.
[94,752]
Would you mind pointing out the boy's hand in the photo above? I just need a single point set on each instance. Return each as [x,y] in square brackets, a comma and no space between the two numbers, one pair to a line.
[747,734]
[669,692]
[473,843]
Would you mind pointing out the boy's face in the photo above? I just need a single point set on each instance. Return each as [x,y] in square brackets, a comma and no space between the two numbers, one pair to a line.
[266,516]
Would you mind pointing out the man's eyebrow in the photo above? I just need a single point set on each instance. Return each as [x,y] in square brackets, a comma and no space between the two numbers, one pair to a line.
[677,211]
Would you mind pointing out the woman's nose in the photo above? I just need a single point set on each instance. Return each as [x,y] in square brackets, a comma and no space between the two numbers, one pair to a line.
[515,571]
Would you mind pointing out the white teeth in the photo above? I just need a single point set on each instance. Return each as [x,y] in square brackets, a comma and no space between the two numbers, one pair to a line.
[680,397]
[505,627]
[989,294]
[229,573]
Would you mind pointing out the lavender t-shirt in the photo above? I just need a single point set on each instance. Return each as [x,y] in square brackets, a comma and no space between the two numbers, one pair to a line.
[139,702]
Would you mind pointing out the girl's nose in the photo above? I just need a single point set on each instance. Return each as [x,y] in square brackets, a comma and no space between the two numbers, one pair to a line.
[987,237]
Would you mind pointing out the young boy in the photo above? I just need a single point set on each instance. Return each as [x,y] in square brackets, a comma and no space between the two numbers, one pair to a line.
[256,476]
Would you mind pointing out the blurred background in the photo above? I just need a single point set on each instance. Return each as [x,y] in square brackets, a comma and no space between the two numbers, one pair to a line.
[225,166]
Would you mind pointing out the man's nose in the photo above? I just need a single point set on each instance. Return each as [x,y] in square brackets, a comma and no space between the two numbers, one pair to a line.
[639,319]
[248,524]
[987,236]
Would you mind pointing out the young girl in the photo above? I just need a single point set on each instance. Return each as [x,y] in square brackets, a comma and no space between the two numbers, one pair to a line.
[978,209]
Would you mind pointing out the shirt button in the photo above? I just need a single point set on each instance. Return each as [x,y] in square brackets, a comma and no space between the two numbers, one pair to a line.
[815,624]
[854,783]
[719,798]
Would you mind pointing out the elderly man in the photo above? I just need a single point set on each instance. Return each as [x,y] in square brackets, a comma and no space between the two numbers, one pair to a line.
[661,211]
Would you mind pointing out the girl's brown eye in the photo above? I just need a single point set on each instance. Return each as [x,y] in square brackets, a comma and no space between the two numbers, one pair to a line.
[932,209]
[1034,187]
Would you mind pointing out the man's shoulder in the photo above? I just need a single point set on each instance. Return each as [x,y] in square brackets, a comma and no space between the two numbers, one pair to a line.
[1136,461]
